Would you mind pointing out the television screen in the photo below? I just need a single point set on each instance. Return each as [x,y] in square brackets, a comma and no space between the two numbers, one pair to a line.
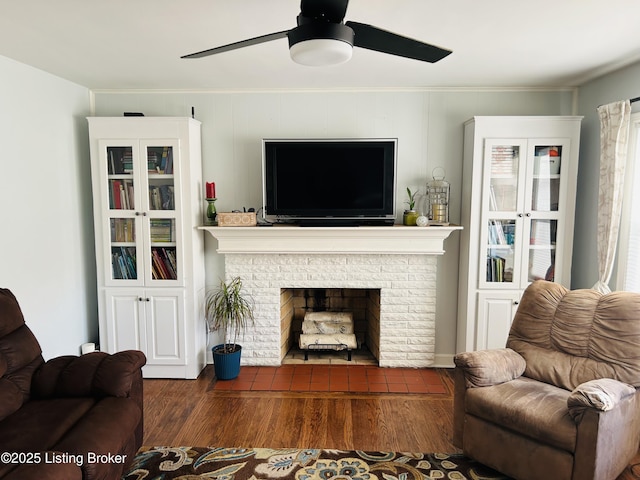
[321,180]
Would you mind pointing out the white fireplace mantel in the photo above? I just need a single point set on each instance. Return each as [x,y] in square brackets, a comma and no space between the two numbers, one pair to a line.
[397,239]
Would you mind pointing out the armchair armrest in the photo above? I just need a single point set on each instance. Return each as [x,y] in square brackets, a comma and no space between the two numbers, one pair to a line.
[484,368]
[602,394]
[96,374]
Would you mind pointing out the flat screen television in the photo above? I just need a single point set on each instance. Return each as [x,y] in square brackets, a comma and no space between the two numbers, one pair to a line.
[330,181]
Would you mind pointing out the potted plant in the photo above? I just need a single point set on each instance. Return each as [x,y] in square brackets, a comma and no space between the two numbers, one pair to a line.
[229,310]
[410,216]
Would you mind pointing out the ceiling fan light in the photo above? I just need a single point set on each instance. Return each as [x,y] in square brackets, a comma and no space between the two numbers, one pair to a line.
[320,52]
[320,44]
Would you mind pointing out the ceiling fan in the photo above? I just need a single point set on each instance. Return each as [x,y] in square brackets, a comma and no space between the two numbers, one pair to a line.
[322,38]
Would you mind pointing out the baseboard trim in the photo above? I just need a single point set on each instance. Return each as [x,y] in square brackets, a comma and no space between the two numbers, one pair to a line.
[443,361]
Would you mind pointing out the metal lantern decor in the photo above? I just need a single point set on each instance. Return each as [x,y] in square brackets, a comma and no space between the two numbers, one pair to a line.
[438,198]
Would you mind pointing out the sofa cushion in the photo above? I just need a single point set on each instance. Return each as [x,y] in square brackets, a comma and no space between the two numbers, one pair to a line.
[108,428]
[10,312]
[602,395]
[531,408]
[484,368]
[20,355]
[38,425]
[96,374]
[569,337]
[10,397]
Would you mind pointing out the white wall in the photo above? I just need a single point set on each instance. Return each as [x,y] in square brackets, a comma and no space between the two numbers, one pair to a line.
[620,85]
[46,241]
[46,235]
[428,125]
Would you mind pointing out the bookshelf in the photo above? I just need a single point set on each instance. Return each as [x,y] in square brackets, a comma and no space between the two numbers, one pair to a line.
[146,178]
[519,184]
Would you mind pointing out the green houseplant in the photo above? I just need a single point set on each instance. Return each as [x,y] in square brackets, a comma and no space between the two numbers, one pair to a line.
[410,216]
[229,310]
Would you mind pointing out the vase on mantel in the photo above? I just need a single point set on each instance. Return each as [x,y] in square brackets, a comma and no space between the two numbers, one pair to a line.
[211,211]
[409,217]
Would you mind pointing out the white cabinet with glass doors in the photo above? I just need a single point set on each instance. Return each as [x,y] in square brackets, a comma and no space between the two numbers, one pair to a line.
[147,202]
[519,182]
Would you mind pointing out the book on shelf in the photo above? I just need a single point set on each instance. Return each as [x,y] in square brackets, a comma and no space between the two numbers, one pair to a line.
[168,160]
[161,197]
[153,166]
[496,233]
[495,269]
[162,230]
[499,269]
[123,262]
[127,161]
[164,263]
[160,160]
[120,160]
[123,230]
[154,198]
[121,194]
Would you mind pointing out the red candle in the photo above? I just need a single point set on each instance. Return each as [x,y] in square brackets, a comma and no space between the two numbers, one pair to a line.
[211,190]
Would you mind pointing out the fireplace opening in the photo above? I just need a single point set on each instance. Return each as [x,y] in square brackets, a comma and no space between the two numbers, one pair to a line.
[362,303]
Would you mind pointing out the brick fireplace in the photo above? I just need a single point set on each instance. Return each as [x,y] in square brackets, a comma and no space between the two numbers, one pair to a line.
[396,267]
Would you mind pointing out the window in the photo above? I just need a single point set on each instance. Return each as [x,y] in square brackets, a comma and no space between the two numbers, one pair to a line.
[629,240]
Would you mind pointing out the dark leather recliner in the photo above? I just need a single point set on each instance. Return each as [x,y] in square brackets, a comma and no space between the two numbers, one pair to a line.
[70,417]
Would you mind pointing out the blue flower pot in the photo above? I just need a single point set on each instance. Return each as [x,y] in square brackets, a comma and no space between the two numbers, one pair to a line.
[226,365]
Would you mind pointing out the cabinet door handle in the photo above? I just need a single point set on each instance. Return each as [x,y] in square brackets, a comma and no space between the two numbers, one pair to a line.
[528,214]
[147,299]
[520,215]
[516,302]
[140,299]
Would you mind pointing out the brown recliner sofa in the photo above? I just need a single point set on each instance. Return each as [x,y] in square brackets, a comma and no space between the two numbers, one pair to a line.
[561,401]
[70,417]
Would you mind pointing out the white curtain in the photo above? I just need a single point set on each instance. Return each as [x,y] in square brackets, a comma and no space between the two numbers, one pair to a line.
[614,135]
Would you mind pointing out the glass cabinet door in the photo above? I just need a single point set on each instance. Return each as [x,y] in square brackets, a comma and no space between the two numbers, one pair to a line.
[120,200]
[503,174]
[543,208]
[162,264]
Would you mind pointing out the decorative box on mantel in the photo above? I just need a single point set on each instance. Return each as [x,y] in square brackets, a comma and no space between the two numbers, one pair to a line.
[394,268]
[237,219]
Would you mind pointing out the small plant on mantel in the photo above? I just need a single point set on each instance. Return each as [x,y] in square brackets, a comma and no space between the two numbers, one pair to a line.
[412,199]
[229,310]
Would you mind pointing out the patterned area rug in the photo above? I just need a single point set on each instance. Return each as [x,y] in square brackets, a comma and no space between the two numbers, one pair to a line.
[192,463]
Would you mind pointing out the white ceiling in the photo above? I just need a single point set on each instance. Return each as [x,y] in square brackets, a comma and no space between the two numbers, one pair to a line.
[136,44]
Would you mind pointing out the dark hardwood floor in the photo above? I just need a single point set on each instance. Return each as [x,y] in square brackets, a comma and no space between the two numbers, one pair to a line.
[192,413]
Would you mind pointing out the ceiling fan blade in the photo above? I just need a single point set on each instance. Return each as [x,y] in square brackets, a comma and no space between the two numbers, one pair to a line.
[241,44]
[331,10]
[374,38]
